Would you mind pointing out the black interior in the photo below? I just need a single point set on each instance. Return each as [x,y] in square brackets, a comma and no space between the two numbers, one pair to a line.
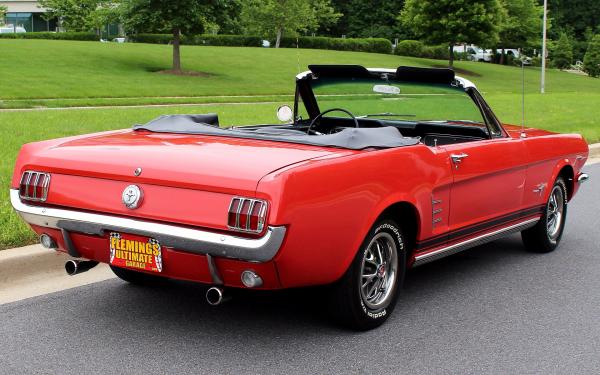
[430,133]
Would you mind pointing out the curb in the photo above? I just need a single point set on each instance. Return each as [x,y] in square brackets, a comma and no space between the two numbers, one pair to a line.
[594,150]
[33,271]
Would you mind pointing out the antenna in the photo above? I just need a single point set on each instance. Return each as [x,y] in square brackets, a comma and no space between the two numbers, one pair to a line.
[298,54]
[523,134]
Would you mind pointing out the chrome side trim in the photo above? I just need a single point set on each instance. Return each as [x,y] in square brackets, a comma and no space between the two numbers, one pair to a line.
[583,177]
[472,242]
[181,238]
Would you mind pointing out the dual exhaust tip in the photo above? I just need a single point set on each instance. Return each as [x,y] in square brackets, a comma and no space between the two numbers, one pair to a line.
[74,267]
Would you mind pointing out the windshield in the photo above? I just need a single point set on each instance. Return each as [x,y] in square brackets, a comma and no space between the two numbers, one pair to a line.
[402,101]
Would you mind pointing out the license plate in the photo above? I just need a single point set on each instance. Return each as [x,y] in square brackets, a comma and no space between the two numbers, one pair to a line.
[135,252]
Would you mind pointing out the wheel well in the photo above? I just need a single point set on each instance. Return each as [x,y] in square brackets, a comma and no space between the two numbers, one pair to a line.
[406,215]
[567,173]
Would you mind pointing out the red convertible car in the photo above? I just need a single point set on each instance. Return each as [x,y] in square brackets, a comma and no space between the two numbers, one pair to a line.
[374,172]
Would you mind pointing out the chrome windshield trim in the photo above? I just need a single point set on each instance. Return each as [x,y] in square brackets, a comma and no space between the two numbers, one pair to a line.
[181,238]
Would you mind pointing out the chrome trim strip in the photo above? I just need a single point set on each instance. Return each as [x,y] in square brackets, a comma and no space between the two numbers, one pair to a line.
[190,240]
[583,177]
[472,242]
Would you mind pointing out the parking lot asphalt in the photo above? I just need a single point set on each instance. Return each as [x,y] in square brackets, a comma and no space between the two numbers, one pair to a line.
[492,309]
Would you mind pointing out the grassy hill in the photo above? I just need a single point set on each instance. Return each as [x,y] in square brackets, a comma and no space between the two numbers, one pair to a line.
[38,73]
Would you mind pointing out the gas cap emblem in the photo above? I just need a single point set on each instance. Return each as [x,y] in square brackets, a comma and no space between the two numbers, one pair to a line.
[132,196]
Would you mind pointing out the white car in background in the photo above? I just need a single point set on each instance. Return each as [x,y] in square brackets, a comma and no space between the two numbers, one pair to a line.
[9,29]
[475,53]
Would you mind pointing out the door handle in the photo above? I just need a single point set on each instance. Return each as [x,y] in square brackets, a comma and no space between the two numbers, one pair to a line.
[457,158]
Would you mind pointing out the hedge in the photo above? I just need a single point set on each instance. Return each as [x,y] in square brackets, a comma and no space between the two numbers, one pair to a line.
[377,45]
[200,40]
[50,35]
[412,48]
[416,48]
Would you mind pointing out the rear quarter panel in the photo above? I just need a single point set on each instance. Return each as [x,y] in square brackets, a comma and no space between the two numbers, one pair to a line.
[330,205]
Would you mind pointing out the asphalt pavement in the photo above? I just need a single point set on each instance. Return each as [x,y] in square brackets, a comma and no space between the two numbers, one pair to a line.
[492,309]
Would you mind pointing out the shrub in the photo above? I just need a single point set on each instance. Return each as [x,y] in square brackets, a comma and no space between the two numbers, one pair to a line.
[200,40]
[436,52]
[376,45]
[562,56]
[51,35]
[591,61]
[412,48]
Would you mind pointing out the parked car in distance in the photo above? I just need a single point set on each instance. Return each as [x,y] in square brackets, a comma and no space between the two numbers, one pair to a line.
[10,29]
[373,172]
[475,53]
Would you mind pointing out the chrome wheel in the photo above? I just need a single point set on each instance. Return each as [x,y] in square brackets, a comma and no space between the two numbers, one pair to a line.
[379,271]
[555,210]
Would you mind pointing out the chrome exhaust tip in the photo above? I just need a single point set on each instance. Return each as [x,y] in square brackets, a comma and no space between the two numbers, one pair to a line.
[215,296]
[74,267]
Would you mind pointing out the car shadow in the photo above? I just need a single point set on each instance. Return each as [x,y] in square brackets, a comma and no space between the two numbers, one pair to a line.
[181,306]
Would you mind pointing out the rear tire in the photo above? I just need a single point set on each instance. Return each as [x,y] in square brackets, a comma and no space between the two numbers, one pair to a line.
[366,295]
[545,236]
[137,278]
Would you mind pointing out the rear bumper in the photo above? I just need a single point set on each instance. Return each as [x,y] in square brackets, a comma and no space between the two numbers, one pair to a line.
[186,239]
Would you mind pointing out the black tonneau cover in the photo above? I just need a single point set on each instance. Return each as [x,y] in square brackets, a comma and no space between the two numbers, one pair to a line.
[349,138]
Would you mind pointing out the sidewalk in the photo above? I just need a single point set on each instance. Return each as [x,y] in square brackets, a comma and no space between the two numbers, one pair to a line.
[33,271]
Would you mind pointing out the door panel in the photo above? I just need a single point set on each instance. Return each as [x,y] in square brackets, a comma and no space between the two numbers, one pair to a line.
[489,180]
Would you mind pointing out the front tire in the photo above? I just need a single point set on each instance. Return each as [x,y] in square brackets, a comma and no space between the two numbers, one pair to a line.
[366,295]
[545,236]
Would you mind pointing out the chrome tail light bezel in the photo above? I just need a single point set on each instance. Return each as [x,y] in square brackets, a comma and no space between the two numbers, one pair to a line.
[247,227]
[30,182]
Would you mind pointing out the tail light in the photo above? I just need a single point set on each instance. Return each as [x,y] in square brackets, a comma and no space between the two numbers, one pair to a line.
[247,215]
[34,186]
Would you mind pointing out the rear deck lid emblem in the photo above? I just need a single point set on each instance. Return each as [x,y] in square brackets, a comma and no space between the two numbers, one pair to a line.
[132,196]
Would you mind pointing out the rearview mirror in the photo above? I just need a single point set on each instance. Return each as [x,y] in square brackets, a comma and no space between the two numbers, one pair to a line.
[285,113]
[386,89]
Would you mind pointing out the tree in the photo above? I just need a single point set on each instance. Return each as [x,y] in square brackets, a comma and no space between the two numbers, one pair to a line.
[73,14]
[454,21]
[522,24]
[106,13]
[176,17]
[273,17]
[562,55]
[3,11]
[591,61]
[364,19]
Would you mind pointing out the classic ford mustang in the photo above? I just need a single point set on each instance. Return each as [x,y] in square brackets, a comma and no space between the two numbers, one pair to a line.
[373,171]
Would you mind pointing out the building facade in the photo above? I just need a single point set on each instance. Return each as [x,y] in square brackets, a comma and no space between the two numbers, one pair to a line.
[27,14]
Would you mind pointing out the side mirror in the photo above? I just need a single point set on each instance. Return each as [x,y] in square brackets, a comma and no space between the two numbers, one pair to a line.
[285,113]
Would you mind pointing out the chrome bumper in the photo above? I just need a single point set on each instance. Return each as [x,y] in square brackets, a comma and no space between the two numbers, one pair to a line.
[181,238]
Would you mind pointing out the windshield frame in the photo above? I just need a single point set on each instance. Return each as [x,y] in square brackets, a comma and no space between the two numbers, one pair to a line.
[305,94]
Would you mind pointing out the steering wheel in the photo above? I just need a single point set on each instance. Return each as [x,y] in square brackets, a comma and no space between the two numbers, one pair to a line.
[332,110]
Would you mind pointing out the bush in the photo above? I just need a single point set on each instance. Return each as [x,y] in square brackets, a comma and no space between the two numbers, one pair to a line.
[436,52]
[200,40]
[562,56]
[49,35]
[591,61]
[376,45]
[412,48]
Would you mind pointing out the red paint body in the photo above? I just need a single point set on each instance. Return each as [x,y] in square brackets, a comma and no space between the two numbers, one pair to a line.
[327,198]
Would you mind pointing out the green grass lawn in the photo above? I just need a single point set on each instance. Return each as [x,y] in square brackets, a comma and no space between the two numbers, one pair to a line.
[36,73]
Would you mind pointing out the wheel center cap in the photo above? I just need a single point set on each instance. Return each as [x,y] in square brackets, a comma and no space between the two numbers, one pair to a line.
[381,270]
